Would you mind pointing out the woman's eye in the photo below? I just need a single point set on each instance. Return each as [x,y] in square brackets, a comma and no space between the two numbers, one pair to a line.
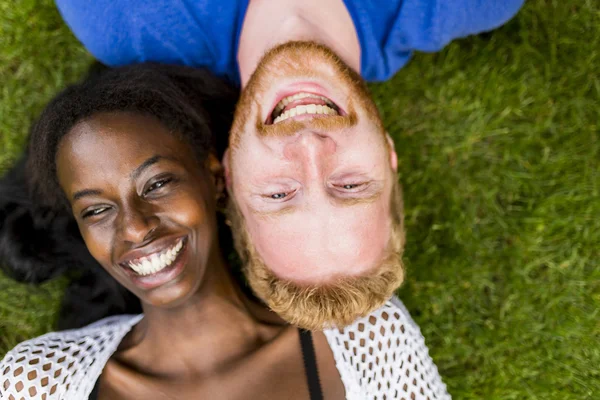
[278,196]
[94,212]
[157,185]
[352,186]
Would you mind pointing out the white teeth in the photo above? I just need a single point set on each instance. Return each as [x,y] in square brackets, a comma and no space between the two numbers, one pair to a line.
[285,101]
[306,109]
[147,264]
[157,261]
[310,108]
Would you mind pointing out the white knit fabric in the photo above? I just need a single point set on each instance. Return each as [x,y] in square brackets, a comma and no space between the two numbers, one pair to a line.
[62,365]
[381,356]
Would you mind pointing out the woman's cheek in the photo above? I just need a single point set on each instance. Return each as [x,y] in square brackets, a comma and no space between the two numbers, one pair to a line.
[189,211]
[99,245]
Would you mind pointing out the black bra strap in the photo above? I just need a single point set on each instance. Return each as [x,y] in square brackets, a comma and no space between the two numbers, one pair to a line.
[94,394]
[310,365]
[310,368]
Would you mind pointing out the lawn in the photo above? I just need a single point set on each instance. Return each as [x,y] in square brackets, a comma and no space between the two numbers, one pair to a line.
[499,147]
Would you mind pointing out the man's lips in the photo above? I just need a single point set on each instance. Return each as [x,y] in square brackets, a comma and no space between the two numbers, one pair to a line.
[305,105]
[302,94]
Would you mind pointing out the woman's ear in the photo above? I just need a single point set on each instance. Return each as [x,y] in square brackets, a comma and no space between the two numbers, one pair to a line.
[217,173]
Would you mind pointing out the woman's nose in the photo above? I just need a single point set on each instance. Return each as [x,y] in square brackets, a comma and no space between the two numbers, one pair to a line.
[137,225]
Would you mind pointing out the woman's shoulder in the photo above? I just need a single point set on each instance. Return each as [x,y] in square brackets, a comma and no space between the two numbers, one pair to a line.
[390,320]
[384,353]
[63,364]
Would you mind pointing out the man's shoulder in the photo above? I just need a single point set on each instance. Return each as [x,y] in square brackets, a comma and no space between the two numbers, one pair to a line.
[58,363]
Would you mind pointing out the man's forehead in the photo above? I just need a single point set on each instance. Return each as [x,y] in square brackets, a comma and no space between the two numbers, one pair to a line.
[347,243]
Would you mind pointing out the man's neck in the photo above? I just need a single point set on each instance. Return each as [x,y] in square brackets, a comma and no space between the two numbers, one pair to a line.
[269,23]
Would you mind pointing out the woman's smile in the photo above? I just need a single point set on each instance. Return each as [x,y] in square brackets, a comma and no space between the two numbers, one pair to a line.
[147,213]
[156,264]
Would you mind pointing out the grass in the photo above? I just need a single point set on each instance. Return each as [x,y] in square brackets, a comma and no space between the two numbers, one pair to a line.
[499,149]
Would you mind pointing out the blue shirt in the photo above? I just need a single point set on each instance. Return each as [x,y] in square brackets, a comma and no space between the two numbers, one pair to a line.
[206,33]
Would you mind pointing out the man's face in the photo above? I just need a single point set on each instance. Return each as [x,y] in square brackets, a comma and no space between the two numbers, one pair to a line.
[311,168]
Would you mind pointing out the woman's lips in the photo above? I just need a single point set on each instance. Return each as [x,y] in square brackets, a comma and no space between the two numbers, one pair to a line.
[162,276]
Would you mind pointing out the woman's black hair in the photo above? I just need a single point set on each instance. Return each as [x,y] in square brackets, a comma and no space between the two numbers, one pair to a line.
[190,102]
[39,238]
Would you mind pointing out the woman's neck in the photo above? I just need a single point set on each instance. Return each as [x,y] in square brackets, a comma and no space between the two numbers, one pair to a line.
[268,24]
[214,326]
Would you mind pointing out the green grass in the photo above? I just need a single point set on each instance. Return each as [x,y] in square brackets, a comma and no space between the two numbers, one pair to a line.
[499,149]
[38,56]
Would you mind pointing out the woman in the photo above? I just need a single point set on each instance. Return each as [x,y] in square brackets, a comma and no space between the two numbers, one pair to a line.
[38,243]
[133,154]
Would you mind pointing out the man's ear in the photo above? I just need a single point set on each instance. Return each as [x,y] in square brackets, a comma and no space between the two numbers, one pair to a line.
[216,172]
[227,169]
[392,152]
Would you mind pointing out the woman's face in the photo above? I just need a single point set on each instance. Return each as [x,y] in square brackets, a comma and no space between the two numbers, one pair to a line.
[144,205]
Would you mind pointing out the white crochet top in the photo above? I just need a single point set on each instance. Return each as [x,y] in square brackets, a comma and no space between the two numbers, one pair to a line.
[381,356]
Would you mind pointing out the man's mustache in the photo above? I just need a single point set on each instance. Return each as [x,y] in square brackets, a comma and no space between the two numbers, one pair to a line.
[292,127]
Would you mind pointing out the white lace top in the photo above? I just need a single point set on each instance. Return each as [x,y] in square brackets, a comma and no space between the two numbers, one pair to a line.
[381,356]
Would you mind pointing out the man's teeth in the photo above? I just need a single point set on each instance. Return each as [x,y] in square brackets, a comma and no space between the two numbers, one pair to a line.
[328,109]
[305,109]
[157,261]
[287,100]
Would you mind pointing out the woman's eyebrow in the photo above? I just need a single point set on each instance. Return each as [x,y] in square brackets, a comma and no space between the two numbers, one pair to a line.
[87,192]
[152,160]
[134,175]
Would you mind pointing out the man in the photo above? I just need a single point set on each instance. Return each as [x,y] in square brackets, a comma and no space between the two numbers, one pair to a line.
[315,204]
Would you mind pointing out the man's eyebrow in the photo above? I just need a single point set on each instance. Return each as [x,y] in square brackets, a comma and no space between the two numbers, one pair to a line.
[353,201]
[345,202]
[275,213]
[87,192]
[152,160]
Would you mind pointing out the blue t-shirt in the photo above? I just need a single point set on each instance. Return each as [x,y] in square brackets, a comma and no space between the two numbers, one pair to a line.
[206,33]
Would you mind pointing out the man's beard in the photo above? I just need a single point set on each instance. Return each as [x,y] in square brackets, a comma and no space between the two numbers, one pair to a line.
[334,304]
[340,302]
[302,60]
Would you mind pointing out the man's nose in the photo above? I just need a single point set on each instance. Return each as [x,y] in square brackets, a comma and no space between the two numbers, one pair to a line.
[309,146]
[137,224]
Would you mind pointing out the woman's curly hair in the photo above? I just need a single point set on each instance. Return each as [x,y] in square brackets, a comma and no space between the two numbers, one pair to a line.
[39,238]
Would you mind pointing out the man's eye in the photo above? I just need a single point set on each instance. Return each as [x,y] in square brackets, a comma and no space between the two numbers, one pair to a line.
[352,186]
[157,185]
[94,212]
[278,196]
